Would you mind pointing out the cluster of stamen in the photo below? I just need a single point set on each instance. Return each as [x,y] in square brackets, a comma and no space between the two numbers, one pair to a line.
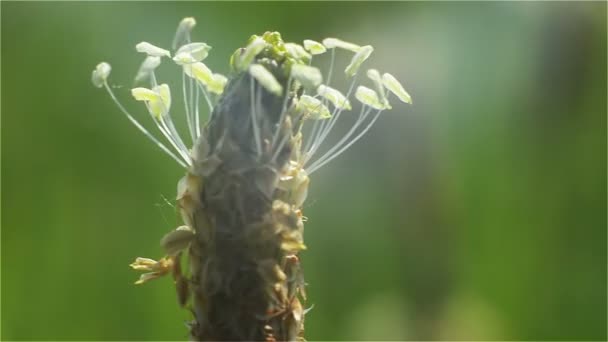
[199,84]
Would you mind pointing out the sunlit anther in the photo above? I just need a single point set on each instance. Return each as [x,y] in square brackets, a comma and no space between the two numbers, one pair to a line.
[312,109]
[146,68]
[182,35]
[374,75]
[191,53]
[256,46]
[358,59]
[298,52]
[100,74]
[152,50]
[331,43]
[315,48]
[158,102]
[369,97]
[334,96]
[308,76]
[99,78]
[266,79]
[396,88]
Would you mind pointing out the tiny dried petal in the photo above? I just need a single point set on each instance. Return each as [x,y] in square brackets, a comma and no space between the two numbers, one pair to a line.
[358,59]
[177,240]
[152,50]
[314,47]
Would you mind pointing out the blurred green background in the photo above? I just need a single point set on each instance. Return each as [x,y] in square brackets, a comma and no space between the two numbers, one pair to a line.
[478,213]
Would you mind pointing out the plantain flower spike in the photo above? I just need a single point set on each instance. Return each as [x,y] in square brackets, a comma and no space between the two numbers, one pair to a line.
[249,148]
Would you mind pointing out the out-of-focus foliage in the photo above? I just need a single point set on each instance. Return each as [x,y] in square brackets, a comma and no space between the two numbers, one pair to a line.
[477,213]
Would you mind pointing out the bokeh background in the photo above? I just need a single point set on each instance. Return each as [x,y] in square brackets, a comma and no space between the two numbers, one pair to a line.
[478,213]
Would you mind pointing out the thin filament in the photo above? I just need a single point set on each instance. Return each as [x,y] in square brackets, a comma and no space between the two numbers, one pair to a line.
[141,128]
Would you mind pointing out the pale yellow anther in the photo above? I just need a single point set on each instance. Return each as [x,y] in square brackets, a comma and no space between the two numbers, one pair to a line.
[331,43]
[191,53]
[151,50]
[309,76]
[251,51]
[334,96]
[297,51]
[158,99]
[218,83]
[312,109]
[314,47]
[200,72]
[358,59]
[266,79]
[374,75]
[396,88]
[369,97]
[147,68]
[100,74]
[183,31]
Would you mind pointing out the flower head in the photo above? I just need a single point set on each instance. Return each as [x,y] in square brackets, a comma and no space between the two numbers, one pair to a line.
[311,106]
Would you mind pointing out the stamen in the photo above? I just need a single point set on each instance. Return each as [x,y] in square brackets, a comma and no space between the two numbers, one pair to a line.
[376,116]
[331,66]
[187,111]
[165,131]
[283,112]
[362,116]
[196,115]
[325,131]
[254,121]
[141,128]
[206,95]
